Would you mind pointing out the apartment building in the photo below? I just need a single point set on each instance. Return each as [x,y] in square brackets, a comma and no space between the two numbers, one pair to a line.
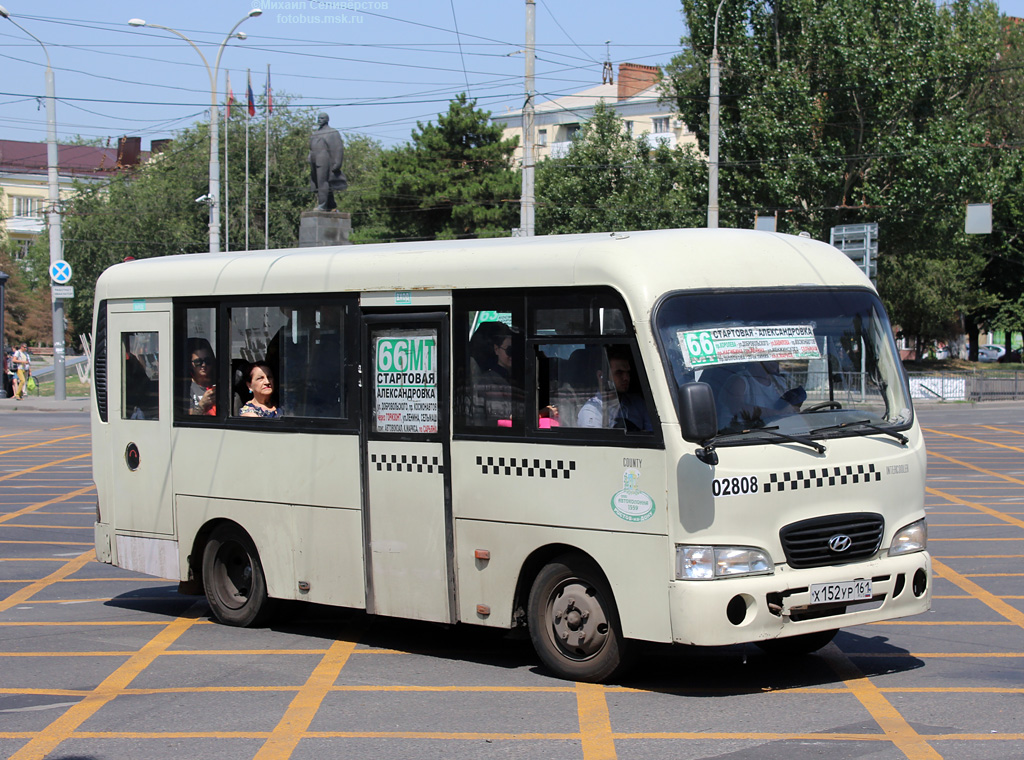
[24,188]
[634,98]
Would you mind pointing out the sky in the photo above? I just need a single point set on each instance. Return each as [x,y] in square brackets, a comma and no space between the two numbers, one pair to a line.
[376,67]
[375,70]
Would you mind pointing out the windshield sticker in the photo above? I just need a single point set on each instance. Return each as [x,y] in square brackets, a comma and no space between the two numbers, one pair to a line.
[758,343]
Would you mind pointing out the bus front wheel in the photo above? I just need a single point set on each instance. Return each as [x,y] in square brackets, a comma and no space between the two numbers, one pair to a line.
[233,578]
[573,622]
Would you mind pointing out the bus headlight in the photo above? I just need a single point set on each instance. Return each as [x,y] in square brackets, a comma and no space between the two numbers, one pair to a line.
[705,563]
[912,538]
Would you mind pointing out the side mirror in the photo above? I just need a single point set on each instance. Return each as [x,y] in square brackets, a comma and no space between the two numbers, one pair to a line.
[697,416]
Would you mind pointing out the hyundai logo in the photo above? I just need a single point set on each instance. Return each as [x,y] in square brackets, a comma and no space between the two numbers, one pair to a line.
[840,542]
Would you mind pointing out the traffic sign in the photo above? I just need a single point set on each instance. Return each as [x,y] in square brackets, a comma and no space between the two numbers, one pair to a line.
[63,291]
[60,272]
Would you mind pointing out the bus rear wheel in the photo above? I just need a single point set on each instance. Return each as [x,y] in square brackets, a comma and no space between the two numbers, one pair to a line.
[574,625]
[233,579]
[794,646]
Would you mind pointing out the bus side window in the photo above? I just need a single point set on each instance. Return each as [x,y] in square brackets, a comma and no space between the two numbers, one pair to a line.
[489,370]
[304,346]
[196,380]
[140,376]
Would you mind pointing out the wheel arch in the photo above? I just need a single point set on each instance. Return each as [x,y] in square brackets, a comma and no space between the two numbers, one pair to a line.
[195,556]
[532,566]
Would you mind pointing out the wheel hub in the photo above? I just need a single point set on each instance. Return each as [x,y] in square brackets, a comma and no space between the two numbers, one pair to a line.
[578,621]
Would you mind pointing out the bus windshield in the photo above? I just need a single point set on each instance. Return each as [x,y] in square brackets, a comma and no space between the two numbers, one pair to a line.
[815,363]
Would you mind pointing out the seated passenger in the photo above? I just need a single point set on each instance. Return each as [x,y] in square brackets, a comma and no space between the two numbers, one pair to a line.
[755,393]
[261,386]
[202,367]
[625,408]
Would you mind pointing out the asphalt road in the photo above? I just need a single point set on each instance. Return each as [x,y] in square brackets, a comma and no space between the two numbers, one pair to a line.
[96,662]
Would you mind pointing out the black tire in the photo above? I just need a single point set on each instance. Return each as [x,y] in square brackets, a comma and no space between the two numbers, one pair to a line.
[233,579]
[574,625]
[794,646]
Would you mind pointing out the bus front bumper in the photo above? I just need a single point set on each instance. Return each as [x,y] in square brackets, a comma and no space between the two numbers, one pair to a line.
[759,608]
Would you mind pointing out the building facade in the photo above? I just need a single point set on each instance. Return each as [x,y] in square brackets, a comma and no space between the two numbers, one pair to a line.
[24,187]
[634,98]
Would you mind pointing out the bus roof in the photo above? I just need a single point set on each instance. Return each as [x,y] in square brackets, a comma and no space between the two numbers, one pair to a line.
[641,265]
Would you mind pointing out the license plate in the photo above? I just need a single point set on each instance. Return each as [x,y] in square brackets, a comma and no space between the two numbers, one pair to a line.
[846,591]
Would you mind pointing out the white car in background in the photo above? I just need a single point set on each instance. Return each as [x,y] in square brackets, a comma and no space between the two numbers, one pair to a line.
[990,353]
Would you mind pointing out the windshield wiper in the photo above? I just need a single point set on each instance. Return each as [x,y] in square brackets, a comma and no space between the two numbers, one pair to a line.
[772,431]
[864,423]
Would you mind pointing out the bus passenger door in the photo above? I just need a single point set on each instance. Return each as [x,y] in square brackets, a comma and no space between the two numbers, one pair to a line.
[408,512]
[139,403]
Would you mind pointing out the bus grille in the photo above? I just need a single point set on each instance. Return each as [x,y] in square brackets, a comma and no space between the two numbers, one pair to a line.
[806,543]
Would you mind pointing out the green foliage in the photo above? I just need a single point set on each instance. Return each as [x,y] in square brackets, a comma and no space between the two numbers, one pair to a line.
[455,180]
[27,315]
[842,113]
[609,181]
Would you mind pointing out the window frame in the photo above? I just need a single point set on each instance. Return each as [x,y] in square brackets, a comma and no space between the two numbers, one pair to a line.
[350,343]
[527,302]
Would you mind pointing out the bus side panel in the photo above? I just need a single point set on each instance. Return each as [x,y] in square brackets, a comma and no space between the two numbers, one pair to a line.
[317,545]
[607,488]
[299,492]
[634,565]
[609,502]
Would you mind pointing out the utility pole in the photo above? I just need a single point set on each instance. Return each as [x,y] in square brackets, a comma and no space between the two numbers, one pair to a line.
[713,130]
[53,215]
[527,202]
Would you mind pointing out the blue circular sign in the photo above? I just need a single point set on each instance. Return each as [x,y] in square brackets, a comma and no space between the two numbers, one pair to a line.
[60,272]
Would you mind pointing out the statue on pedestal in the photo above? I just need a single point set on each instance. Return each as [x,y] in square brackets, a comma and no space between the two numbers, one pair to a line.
[326,154]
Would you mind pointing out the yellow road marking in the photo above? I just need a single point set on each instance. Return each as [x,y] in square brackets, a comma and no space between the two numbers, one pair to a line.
[1001,430]
[895,726]
[66,427]
[300,713]
[44,443]
[41,504]
[1008,611]
[975,440]
[63,727]
[69,567]
[758,736]
[941,622]
[51,543]
[595,722]
[42,467]
[980,507]
[970,466]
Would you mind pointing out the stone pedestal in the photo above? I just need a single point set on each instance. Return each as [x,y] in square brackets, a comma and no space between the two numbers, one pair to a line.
[324,228]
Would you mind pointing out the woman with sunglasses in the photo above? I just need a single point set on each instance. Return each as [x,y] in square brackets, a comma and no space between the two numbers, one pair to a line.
[203,370]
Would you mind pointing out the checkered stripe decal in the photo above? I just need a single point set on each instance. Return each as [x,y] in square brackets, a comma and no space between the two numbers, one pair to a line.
[820,478]
[405,463]
[529,468]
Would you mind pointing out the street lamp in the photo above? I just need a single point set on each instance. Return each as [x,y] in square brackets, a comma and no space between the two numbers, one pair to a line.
[214,192]
[713,130]
[53,214]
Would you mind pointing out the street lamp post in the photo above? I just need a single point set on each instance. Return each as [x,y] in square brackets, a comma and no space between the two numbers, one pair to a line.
[713,129]
[214,191]
[53,213]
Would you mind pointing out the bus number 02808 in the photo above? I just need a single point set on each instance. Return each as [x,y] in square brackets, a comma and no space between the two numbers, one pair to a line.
[733,486]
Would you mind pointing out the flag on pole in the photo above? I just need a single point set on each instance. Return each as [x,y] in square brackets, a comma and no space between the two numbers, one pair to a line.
[270,97]
[252,100]
[231,95]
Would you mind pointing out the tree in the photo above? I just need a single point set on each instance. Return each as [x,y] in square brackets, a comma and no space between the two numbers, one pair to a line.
[27,314]
[610,181]
[455,180]
[838,113]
